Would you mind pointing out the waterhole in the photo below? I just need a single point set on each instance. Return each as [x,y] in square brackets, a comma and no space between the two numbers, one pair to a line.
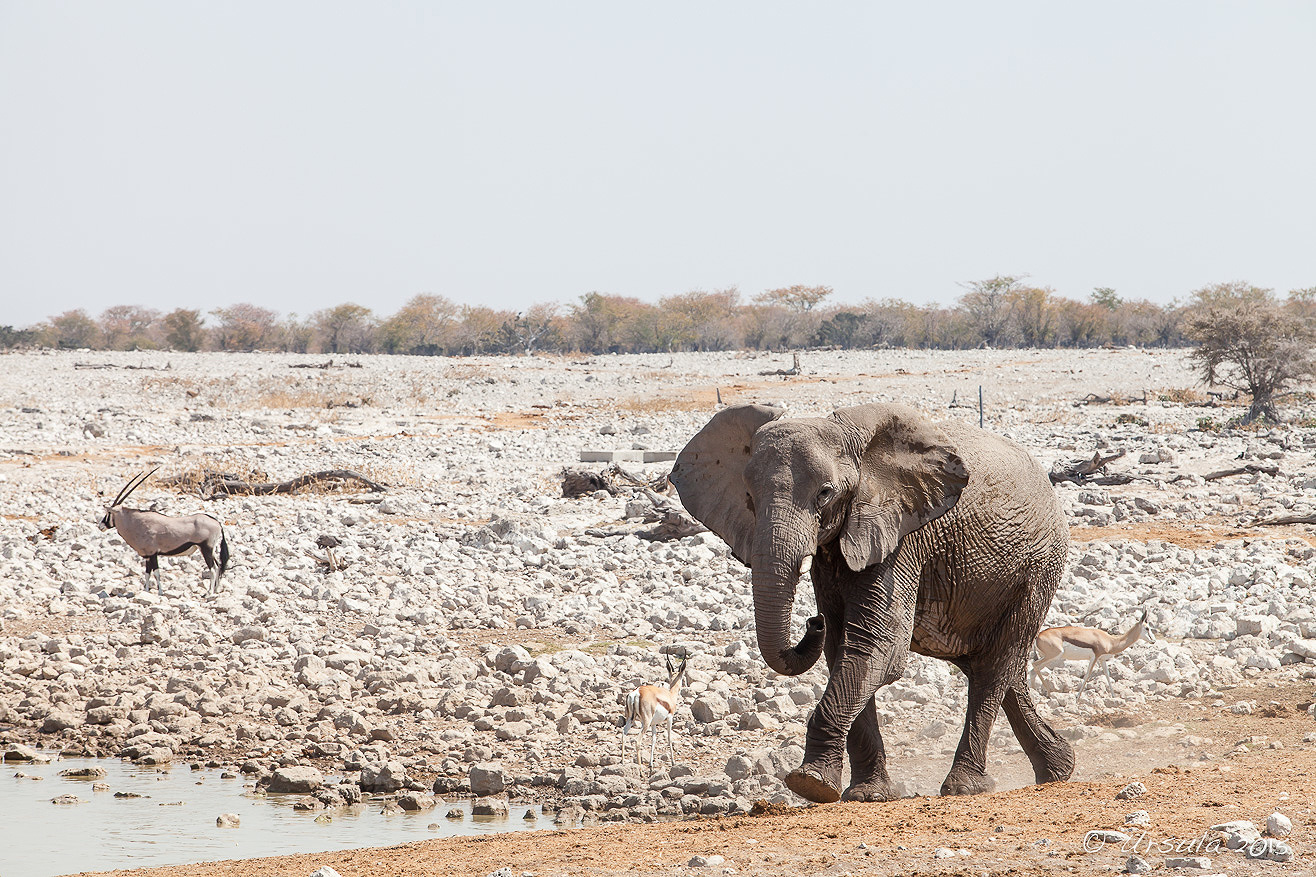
[150,816]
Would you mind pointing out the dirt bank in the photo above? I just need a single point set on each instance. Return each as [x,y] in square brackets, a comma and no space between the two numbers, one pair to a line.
[1033,830]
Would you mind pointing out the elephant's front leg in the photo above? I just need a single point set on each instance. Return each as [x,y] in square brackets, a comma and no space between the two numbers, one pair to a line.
[869,780]
[870,653]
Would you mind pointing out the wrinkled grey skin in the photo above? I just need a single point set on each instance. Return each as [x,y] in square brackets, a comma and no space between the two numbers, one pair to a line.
[940,538]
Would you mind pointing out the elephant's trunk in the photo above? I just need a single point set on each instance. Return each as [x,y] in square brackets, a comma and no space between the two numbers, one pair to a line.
[774,580]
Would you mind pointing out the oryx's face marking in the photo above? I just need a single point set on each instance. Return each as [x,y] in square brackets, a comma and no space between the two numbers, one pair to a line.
[107,522]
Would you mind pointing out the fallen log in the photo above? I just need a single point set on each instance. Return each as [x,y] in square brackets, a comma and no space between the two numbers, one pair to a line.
[1094,399]
[1115,479]
[1082,471]
[659,484]
[1280,520]
[327,364]
[1249,469]
[225,485]
[675,524]
[143,368]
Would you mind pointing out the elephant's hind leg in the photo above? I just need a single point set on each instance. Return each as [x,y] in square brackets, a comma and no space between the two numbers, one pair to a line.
[968,773]
[1051,756]
[869,780]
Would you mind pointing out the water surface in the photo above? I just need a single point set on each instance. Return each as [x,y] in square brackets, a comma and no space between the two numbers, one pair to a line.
[174,822]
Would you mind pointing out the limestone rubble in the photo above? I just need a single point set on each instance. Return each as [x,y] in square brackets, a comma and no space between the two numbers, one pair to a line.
[477,631]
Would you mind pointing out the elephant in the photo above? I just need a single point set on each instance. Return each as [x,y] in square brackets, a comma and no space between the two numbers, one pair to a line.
[942,538]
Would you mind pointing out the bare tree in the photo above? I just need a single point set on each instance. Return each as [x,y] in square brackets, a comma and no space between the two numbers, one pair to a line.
[603,323]
[986,305]
[71,330]
[479,329]
[128,327]
[424,325]
[346,328]
[704,320]
[1032,314]
[183,329]
[537,327]
[1248,341]
[788,313]
[244,326]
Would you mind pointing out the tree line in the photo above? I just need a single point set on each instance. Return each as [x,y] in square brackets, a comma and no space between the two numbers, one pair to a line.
[1003,311]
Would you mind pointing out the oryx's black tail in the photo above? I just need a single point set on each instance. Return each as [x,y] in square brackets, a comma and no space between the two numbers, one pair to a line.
[223,551]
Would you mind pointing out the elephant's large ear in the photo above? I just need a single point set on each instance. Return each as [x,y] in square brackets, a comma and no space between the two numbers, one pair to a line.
[709,474]
[909,474]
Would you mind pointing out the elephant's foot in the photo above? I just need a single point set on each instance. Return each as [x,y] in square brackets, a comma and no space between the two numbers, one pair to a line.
[815,784]
[966,782]
[1056,763]
[872,790]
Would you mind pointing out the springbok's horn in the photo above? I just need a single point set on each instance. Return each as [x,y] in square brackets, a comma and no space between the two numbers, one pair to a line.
[133,484]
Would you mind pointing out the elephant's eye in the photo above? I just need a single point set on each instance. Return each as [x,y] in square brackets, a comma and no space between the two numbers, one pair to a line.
[749,503]
[826,494]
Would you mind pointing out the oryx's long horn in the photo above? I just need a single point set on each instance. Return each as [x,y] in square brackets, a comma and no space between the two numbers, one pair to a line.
[123,491]
[133,484]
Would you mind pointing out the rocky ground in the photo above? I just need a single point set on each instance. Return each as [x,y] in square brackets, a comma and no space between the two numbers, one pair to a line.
[481,629]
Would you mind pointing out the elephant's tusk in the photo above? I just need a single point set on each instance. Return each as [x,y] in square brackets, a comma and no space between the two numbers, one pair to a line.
[806,564]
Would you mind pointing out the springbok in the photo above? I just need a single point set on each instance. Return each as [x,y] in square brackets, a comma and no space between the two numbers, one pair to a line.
[1056,645]
[152,534]
[649,705]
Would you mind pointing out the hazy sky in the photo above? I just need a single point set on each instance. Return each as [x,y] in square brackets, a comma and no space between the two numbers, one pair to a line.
[304,154]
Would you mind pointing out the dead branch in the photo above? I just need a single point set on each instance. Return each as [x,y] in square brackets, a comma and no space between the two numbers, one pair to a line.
[956,403]
[675,524]
[1287,519]
[1080,471]
[659,484]
[786,372]
[1115,479]
[327,364]
[225,485]
[144,368]
[1094,399]
[1250,468]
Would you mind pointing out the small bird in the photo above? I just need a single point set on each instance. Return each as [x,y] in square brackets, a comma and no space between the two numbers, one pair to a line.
[329,543]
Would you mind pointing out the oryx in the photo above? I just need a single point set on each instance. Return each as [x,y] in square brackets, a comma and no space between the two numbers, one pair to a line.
[152,534]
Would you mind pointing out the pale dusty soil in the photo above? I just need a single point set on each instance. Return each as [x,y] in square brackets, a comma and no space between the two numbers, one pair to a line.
[1026,831]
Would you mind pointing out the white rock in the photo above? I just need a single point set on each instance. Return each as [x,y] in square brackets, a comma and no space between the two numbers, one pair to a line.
[1199,863]
[1278,825]
[705,861]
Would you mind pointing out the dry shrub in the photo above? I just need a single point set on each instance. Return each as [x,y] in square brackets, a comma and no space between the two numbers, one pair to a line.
[697,400]
[1183,395]
[310,399]
[202,477]
[392,475]
[195,477]
[193,388]
[1113,719]
[464,372]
